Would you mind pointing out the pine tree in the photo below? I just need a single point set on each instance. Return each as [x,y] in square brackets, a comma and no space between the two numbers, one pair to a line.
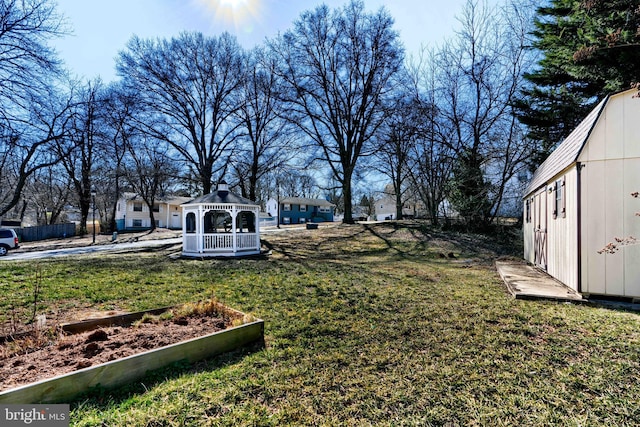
[589,49]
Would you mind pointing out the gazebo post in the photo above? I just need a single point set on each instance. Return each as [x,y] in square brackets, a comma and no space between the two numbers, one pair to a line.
[200,229]
[256,219]
[234,216]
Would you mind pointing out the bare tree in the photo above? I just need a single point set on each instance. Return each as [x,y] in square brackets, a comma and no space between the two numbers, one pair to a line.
[149,169]
[337,66]
[266,143]
[49,192]
[27,63]
[403,126]
[297,184]
[430,157]
[26,144]
[32,113]
[481,71]
[188,88]
[79,151]
[119,130]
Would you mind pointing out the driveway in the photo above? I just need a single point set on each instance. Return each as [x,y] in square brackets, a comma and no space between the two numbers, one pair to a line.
[83,250]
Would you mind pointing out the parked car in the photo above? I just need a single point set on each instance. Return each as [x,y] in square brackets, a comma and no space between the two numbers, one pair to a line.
[8,240]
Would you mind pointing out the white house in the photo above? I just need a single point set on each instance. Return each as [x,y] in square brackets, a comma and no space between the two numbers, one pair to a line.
[133,213]
[580,199]
[385,206]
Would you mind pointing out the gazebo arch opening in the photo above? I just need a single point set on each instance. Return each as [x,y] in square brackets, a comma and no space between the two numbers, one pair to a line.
[190,226]
[220,224]
[217,222]
[246,222]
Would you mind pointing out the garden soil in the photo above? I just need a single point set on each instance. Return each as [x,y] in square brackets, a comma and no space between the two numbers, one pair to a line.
[50,354]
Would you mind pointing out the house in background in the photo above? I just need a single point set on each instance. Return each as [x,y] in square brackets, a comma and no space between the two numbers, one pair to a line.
[385,206]
[300,210]
[581,198]
[132,213]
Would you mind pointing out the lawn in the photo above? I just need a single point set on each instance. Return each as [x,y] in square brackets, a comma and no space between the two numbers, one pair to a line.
[364,325]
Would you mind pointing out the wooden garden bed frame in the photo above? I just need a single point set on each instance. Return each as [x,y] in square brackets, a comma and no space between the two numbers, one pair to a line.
[116,373]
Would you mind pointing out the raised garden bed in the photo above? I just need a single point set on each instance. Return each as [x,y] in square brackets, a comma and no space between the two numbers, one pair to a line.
[92,336]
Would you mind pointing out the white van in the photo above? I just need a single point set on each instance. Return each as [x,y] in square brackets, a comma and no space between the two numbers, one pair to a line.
[8,240]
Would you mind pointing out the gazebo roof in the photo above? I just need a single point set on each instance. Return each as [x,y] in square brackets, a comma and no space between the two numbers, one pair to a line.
[221,195]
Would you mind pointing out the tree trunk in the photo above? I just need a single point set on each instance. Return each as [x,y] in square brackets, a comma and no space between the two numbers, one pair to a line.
[85,206]
[253,181]
[398,205]
[346,191]
[206,182]
[152,218]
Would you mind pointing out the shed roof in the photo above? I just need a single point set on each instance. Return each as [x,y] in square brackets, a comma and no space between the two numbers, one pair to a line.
[306,201]
[567,152]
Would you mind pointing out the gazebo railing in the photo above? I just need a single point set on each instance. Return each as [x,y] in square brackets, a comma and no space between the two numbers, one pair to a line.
[190,242]
[222,242]
[247,241]
[214,242]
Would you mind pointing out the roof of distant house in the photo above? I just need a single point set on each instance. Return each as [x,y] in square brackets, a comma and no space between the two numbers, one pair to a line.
[306,201]
[168,199]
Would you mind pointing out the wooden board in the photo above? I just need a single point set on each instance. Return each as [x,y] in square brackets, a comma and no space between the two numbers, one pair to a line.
[116,320]
[65,388]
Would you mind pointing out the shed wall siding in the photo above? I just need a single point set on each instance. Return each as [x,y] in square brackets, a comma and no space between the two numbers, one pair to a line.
[562,232]
[527,232]
[611,173]
[609,212]
[631,223]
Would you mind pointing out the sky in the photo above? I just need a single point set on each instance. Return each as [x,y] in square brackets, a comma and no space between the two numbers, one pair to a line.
[102,28]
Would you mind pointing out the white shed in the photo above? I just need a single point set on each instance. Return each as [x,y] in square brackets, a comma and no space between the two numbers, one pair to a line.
[580,199]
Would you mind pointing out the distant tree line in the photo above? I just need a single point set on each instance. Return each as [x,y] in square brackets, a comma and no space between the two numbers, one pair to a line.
[313,112]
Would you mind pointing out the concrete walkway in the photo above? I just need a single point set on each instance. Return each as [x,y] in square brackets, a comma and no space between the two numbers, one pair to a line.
[526,282]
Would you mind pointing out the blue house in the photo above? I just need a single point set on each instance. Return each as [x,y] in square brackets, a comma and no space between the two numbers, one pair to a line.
[301,210]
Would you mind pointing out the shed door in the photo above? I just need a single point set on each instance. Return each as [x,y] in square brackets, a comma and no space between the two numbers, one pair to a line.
[540,229]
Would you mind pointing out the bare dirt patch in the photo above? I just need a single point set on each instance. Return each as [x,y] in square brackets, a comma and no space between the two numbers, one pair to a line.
[51,353]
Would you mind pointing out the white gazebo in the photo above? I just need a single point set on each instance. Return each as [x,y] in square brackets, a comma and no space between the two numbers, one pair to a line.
[220,224]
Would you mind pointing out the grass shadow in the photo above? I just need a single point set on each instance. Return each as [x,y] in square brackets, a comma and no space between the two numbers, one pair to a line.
[101,398]
[383,239]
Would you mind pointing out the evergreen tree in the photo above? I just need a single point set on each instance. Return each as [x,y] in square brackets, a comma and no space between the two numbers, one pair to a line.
[610,36]
[589,49]
[469,192]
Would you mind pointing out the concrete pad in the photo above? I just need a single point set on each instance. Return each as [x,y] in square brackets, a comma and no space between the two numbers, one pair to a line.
[527,282]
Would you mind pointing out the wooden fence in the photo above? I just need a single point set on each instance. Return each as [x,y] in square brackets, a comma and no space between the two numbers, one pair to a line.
[42,232]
